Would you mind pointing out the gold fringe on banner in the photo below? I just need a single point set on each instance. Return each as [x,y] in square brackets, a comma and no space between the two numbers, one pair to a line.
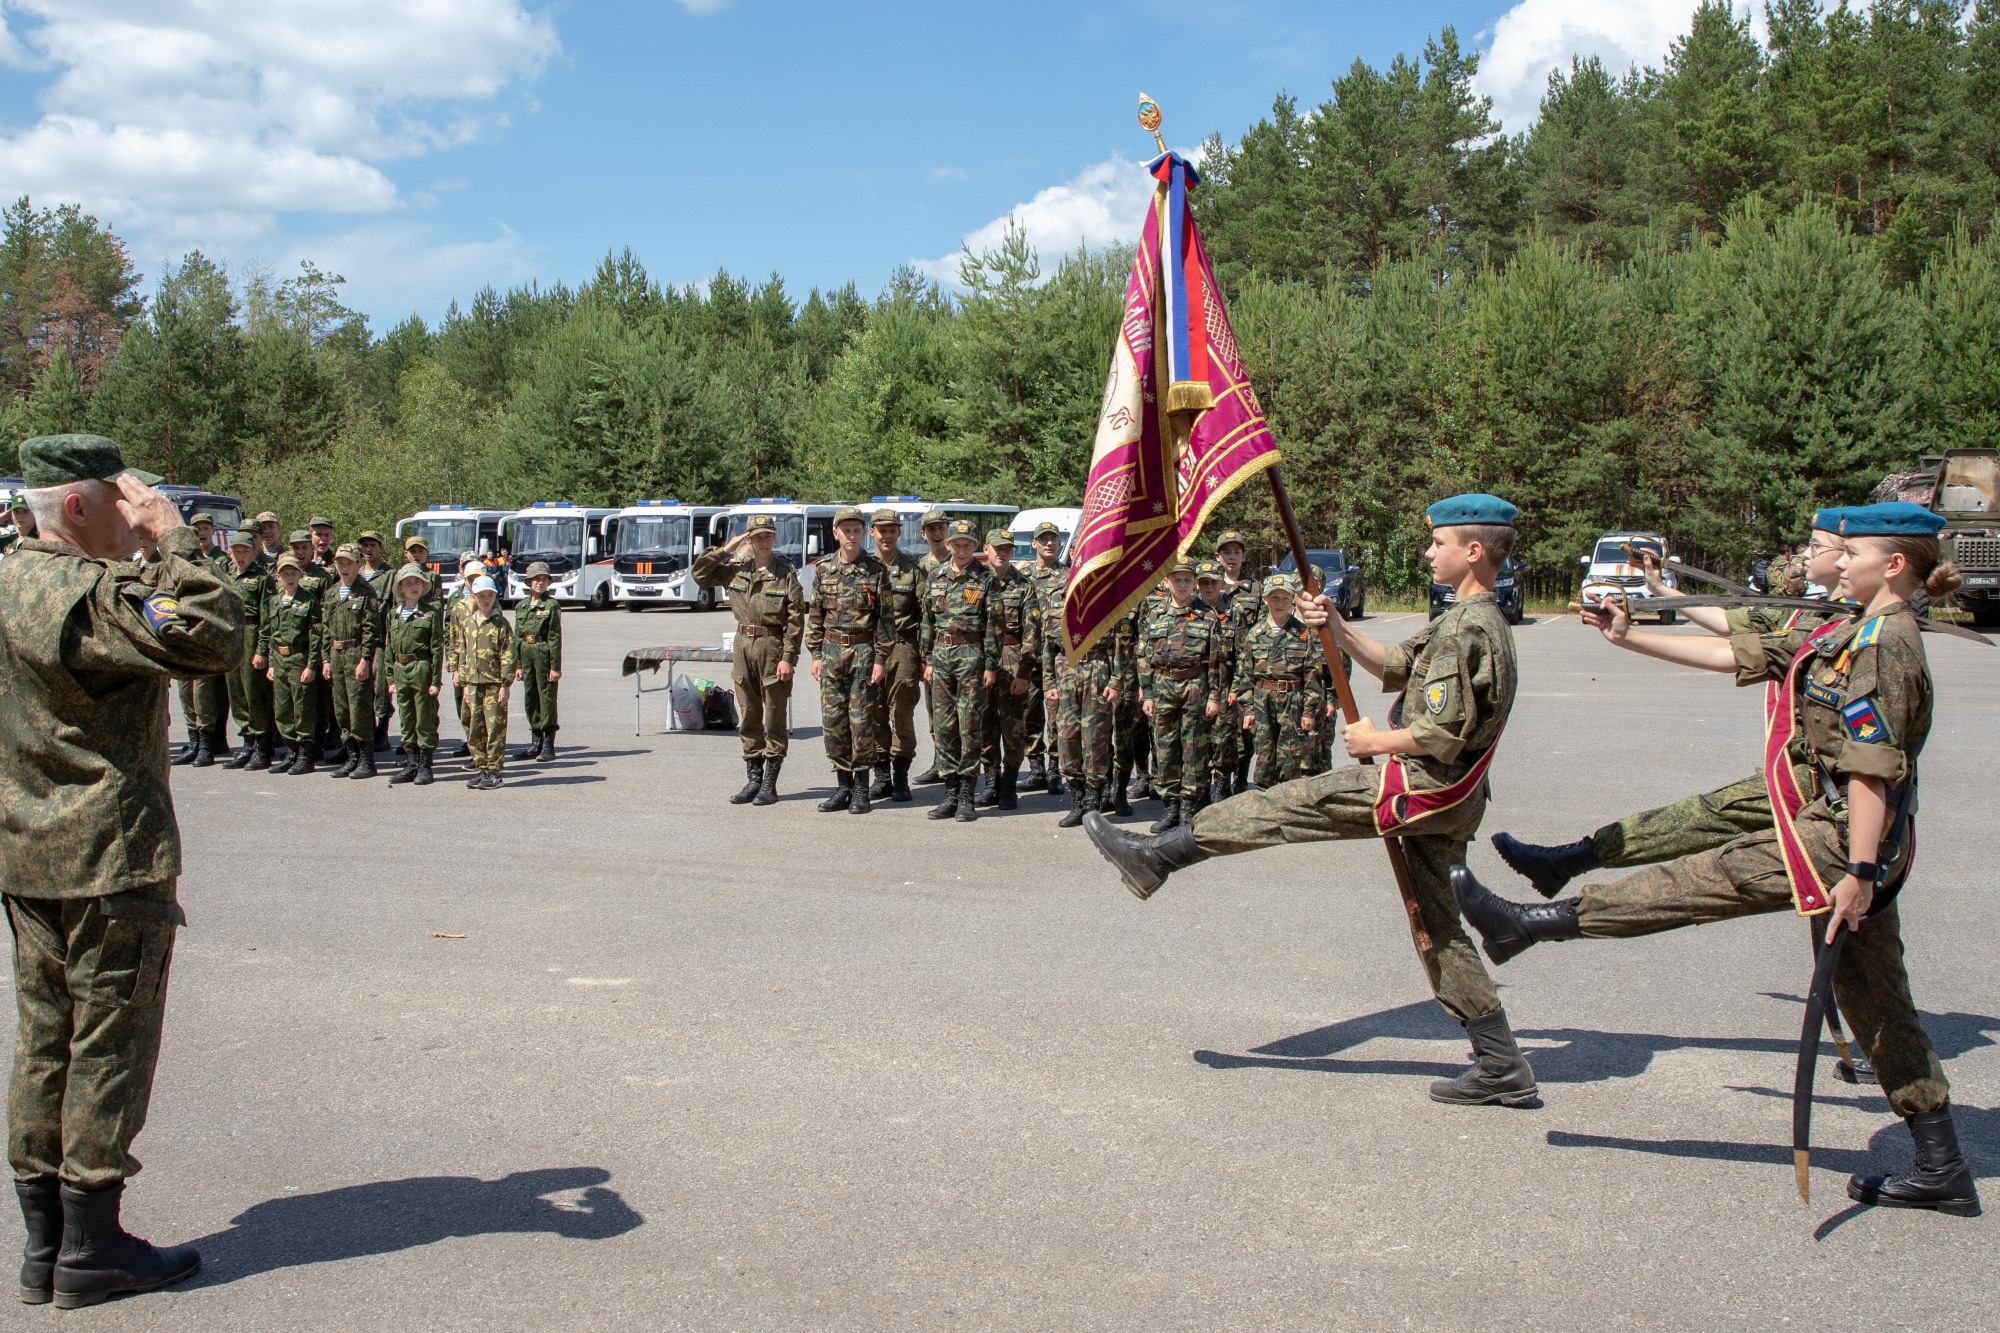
[1190,396]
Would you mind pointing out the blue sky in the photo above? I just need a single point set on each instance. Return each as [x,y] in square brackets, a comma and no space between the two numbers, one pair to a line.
[426,147]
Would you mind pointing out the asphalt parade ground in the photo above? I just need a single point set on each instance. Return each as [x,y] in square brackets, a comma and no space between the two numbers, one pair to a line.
[601,1051]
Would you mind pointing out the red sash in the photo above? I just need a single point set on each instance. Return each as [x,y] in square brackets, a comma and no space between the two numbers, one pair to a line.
[1399,806]
[1781,724]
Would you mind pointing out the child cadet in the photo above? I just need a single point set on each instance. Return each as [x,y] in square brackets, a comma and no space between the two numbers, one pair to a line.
[351,628]
[847,637]
[1455,680]
[486,672]
[960,643]
[538,661]
[1083,697]
[1222,740]
[413,652]
[1241,603]
[1003,739]
[1180,676]
[290,641]
[1279,686]
[457,611]
[249,691]
[903,667]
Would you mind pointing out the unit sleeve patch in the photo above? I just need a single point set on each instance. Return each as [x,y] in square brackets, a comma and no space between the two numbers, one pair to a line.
[161,611]
[1437,695]
[1864,722]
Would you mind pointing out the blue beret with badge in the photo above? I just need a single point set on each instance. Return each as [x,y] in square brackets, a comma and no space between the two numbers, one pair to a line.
[1474,508]
[1829,520]
[1899,518]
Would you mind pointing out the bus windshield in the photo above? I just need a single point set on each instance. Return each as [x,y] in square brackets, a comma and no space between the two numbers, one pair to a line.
[663,534]
[447,536]
[540,538]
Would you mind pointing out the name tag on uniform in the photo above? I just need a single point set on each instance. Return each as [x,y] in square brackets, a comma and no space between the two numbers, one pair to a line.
[1822,694]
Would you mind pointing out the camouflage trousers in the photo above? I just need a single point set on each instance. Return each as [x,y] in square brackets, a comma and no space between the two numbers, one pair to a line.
[1340,806]
[1696,824]
[538,692]
[1181,731]
[385,695]
[762,700]
[1003,739]
[90,991]
[895,719]
[486,727]
[1225,738]
[249,698]
[204,700]
[1746,877]
[849,705]
[1283,745]
[1133,733]
[353,700]
[958,698]
[419,709]
[1035,720]
[1085,723]
[294,704]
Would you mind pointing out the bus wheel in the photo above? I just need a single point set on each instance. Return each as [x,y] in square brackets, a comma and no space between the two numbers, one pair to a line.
[601,599]
[705,601]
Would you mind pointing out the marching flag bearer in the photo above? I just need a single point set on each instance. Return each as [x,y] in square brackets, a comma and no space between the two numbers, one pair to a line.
[413,652]
[538,641]
[1455,681]
[486,671]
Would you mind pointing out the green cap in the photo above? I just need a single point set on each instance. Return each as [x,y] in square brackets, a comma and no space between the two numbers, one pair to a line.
[347,551]
[298,535]
[761,523]
[319,521]
[931,516]
[1229,537]
[242,537]
[538,570]
[849,515]
[1046,529]
[1181,567]
[1000,537]
[368,535]
[267,517]
[962,527]
[413,571]
[414,542]
[885,518]
[204,516]
[1285,583]
[1209,569]
[58,460]
[290,561]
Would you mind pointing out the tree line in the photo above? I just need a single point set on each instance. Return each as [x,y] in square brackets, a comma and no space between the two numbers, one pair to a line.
[1704,298]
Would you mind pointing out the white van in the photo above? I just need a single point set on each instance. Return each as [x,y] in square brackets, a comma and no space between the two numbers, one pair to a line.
[569,539]
[449,531]
[805,531]
[653,544]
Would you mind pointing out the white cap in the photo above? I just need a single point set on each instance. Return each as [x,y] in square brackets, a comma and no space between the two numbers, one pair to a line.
[484,584]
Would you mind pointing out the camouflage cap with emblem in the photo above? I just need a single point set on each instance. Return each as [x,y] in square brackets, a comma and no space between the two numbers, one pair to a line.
[367,535]
[298,535]
[1208,571]
[1046,529]
[415,543]
[538,570]
[1286,584]
[347,551]
[204,516]
[1181,567]
[59,460]
[885,518]
[761,523]
[931,517]
[266,517]
[1000,539]
[849,515]
[1229,538]
[243,537]
[468,559]
[962,527]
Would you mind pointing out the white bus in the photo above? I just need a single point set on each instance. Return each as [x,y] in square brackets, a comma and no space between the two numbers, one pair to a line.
[653,544]
[569,539]
[449,531]
[912,508]
[805,531]
[1025,523]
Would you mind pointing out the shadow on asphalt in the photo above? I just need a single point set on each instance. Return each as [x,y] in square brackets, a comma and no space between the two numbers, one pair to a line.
[391,1215]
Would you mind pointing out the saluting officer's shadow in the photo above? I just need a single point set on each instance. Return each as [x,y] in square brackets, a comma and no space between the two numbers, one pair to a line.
[390,1215]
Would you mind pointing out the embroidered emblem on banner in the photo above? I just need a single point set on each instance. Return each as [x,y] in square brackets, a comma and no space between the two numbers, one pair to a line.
[1864,724]
[1436,696]
[161,611]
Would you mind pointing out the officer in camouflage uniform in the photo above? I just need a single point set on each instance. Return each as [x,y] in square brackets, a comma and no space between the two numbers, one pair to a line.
[486,672]
[289,638]
[937,554]
[1240,602]
[1083,695]
[1004,734]
[351,631]
[1456,681]
[1051,579]
[375,568]
[903,668]
[960,644]
[1279,675]
[538,646]
[848,638]
[1860,712]
[1135,755]
[414,652]
[1180,676]
[249,690]
[89,847]
[770,609]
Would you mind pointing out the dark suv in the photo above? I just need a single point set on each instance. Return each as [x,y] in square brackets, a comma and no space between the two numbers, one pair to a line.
[1340,580]
[1506,591]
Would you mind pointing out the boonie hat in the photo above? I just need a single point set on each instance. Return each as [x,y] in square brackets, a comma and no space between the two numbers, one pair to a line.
[484,584]
[539,570]
[1000,537]
[242,537]
[58,460]
[848,515]
[963,527]
[1898,518]
[885,518]
[1475,507]
[761,523]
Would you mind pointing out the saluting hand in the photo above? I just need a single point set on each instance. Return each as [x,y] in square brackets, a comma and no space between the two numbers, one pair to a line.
[148,513]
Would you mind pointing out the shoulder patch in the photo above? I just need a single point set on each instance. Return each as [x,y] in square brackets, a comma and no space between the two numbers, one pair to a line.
[1436,695]
[161,611]
[1864,723]
[1870,632]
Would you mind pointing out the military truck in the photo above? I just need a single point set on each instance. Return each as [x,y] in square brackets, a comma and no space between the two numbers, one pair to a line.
[1963,485]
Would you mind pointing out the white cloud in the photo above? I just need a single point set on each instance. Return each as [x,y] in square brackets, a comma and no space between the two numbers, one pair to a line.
[1104,204]
[1536,36]
[205,119]
[398,266]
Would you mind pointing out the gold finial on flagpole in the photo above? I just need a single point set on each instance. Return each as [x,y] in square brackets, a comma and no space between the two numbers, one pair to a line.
[1149,119]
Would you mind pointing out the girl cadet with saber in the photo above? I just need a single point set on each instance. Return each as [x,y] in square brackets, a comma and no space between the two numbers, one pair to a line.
[1849,704]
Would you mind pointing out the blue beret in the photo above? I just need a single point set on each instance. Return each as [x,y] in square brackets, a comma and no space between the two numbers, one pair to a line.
[1897,519]
[1829,520]
[1474,508]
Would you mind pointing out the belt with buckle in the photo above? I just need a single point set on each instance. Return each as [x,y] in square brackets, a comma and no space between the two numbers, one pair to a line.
[342,645]
[851,638]
[1178,673]
[282,651]
[753,631]
[404,659]
[954,636]
[1277,683]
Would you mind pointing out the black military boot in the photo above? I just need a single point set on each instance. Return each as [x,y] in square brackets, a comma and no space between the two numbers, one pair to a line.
[1242,783]
[883,784]
[1507,928]
[188,751]
[1038,774]
[1143,862]
[1078,798]
[204,749]
[1007,794]
[948,807]
[42,1217]
[260,758]
[1938,1179]
[530,750]
[1170,815]
[218,742]
[1121,802]
[408,772]
[767,790]
[928,776]
[424,776]
[461,751]
[364,763]
[753,774]
[859,805]
[1218,790]
[350,759]
[1547,868]
[382,737]
[1499,1072]
[966,811]
[99,1258]
[843,796]
[302,760]
[1056,784]
[1142,787]
[982,791]
[246,750]
[899,782]
[548,746]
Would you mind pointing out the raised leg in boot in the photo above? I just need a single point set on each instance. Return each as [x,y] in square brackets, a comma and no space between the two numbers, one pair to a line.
[1547,868]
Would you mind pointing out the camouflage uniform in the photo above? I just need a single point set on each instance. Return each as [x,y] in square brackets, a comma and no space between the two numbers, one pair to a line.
[960,642]
[381,581]
[847,629]
[204,700]
[1241,607]
[1049,586]
[351,630]
[1456,678]
[1180,672]
[1003,741]
[770,610]
[89,847]
[414,650]
[1279,686]
[538,647]
[1085,723]
[903,666]
[928,565]
[291,641]
[486,668]
[249,690]
[457,611]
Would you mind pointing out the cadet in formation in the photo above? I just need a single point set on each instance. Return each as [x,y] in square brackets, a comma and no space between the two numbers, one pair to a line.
[1239,601]
[769,606]
[1844,729]
[1278,686]
[1010,597]
[895,721]
[458,607]
[413,653]
[289,641]
[375,568]
[249,688]
[205,701]
[1455,682]
[538,661]
[481,660]
[351,633]
[932,527]
[960,643]
[90,849]
[1180,676]
[1050,577]
[1083,696]
[848,635]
